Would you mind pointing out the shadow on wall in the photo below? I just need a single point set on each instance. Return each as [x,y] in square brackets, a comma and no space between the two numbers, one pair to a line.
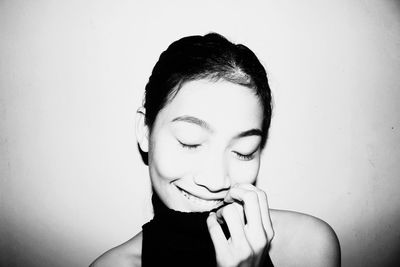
[25,246]
[391,251]
[366,237]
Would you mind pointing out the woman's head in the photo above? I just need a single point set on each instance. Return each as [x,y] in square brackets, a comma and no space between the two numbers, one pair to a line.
[204,122]
[210,57]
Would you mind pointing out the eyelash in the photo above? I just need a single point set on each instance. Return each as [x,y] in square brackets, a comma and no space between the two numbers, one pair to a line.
[187,146]
[240,156]
[245,157]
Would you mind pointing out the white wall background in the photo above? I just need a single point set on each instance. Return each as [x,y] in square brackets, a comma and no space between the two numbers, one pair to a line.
[72,74]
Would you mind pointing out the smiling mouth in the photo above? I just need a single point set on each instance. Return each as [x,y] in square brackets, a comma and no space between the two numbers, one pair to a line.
[200,201]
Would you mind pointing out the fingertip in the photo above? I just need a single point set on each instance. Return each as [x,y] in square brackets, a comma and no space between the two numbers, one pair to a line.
[228,197]
[212,220]
[211,216]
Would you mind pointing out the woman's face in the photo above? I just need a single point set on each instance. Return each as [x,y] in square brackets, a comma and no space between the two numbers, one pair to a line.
[204,141]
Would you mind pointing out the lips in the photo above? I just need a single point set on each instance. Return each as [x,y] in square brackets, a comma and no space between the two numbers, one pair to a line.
[200,201]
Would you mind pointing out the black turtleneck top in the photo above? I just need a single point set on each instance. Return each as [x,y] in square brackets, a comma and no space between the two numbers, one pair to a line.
[174,238]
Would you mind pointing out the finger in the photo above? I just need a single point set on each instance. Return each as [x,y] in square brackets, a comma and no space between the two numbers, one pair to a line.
[221,246]
[240,211]
[264,209]
[235,225]
[251,205]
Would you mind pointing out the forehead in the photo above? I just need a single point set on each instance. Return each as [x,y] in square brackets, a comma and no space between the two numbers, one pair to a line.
[219,103]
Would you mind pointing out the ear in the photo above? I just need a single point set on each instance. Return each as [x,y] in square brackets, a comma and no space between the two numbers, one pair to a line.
[142,130]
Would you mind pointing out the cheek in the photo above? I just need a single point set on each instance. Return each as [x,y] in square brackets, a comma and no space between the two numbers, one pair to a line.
[166,159]
[244,171]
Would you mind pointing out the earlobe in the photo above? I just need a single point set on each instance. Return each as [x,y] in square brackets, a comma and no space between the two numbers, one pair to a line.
[142,130]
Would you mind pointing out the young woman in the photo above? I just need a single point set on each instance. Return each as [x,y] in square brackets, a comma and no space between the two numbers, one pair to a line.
[202,129]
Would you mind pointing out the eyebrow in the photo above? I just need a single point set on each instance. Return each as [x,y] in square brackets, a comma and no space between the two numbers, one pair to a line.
[251,132]
[205,125]
[194,120]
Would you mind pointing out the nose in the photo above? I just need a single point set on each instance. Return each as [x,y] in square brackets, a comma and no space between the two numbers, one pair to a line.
[214,174]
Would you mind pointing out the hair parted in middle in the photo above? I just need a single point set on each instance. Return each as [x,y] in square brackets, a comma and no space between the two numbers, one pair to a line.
[211,57]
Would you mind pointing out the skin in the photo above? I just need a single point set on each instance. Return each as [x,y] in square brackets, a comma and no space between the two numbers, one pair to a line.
[202,153]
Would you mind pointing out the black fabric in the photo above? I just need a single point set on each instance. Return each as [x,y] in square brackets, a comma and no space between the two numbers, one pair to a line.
[174,238]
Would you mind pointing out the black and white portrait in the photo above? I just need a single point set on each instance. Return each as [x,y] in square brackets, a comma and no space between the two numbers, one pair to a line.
[214,133]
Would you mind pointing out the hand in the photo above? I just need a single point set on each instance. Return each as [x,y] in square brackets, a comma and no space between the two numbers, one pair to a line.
[249,242]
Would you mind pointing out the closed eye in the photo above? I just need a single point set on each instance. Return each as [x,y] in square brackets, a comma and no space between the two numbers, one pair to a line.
[245,157]
[189,146]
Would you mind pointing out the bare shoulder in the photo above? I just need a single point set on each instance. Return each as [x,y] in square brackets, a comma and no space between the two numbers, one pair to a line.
[126,254]
[303,240]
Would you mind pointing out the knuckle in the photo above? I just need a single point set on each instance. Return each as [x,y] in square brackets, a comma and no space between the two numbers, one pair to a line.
[260,244]
[237,207]
[246,256]
[242,255]
[224,211]
[262,240]
[271,235]
[244,252]
[262,194]
[250,196]
[248,253]
[227,210]
[227,261]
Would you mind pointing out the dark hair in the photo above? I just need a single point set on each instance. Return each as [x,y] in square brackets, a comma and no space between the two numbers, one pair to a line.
[210,57]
